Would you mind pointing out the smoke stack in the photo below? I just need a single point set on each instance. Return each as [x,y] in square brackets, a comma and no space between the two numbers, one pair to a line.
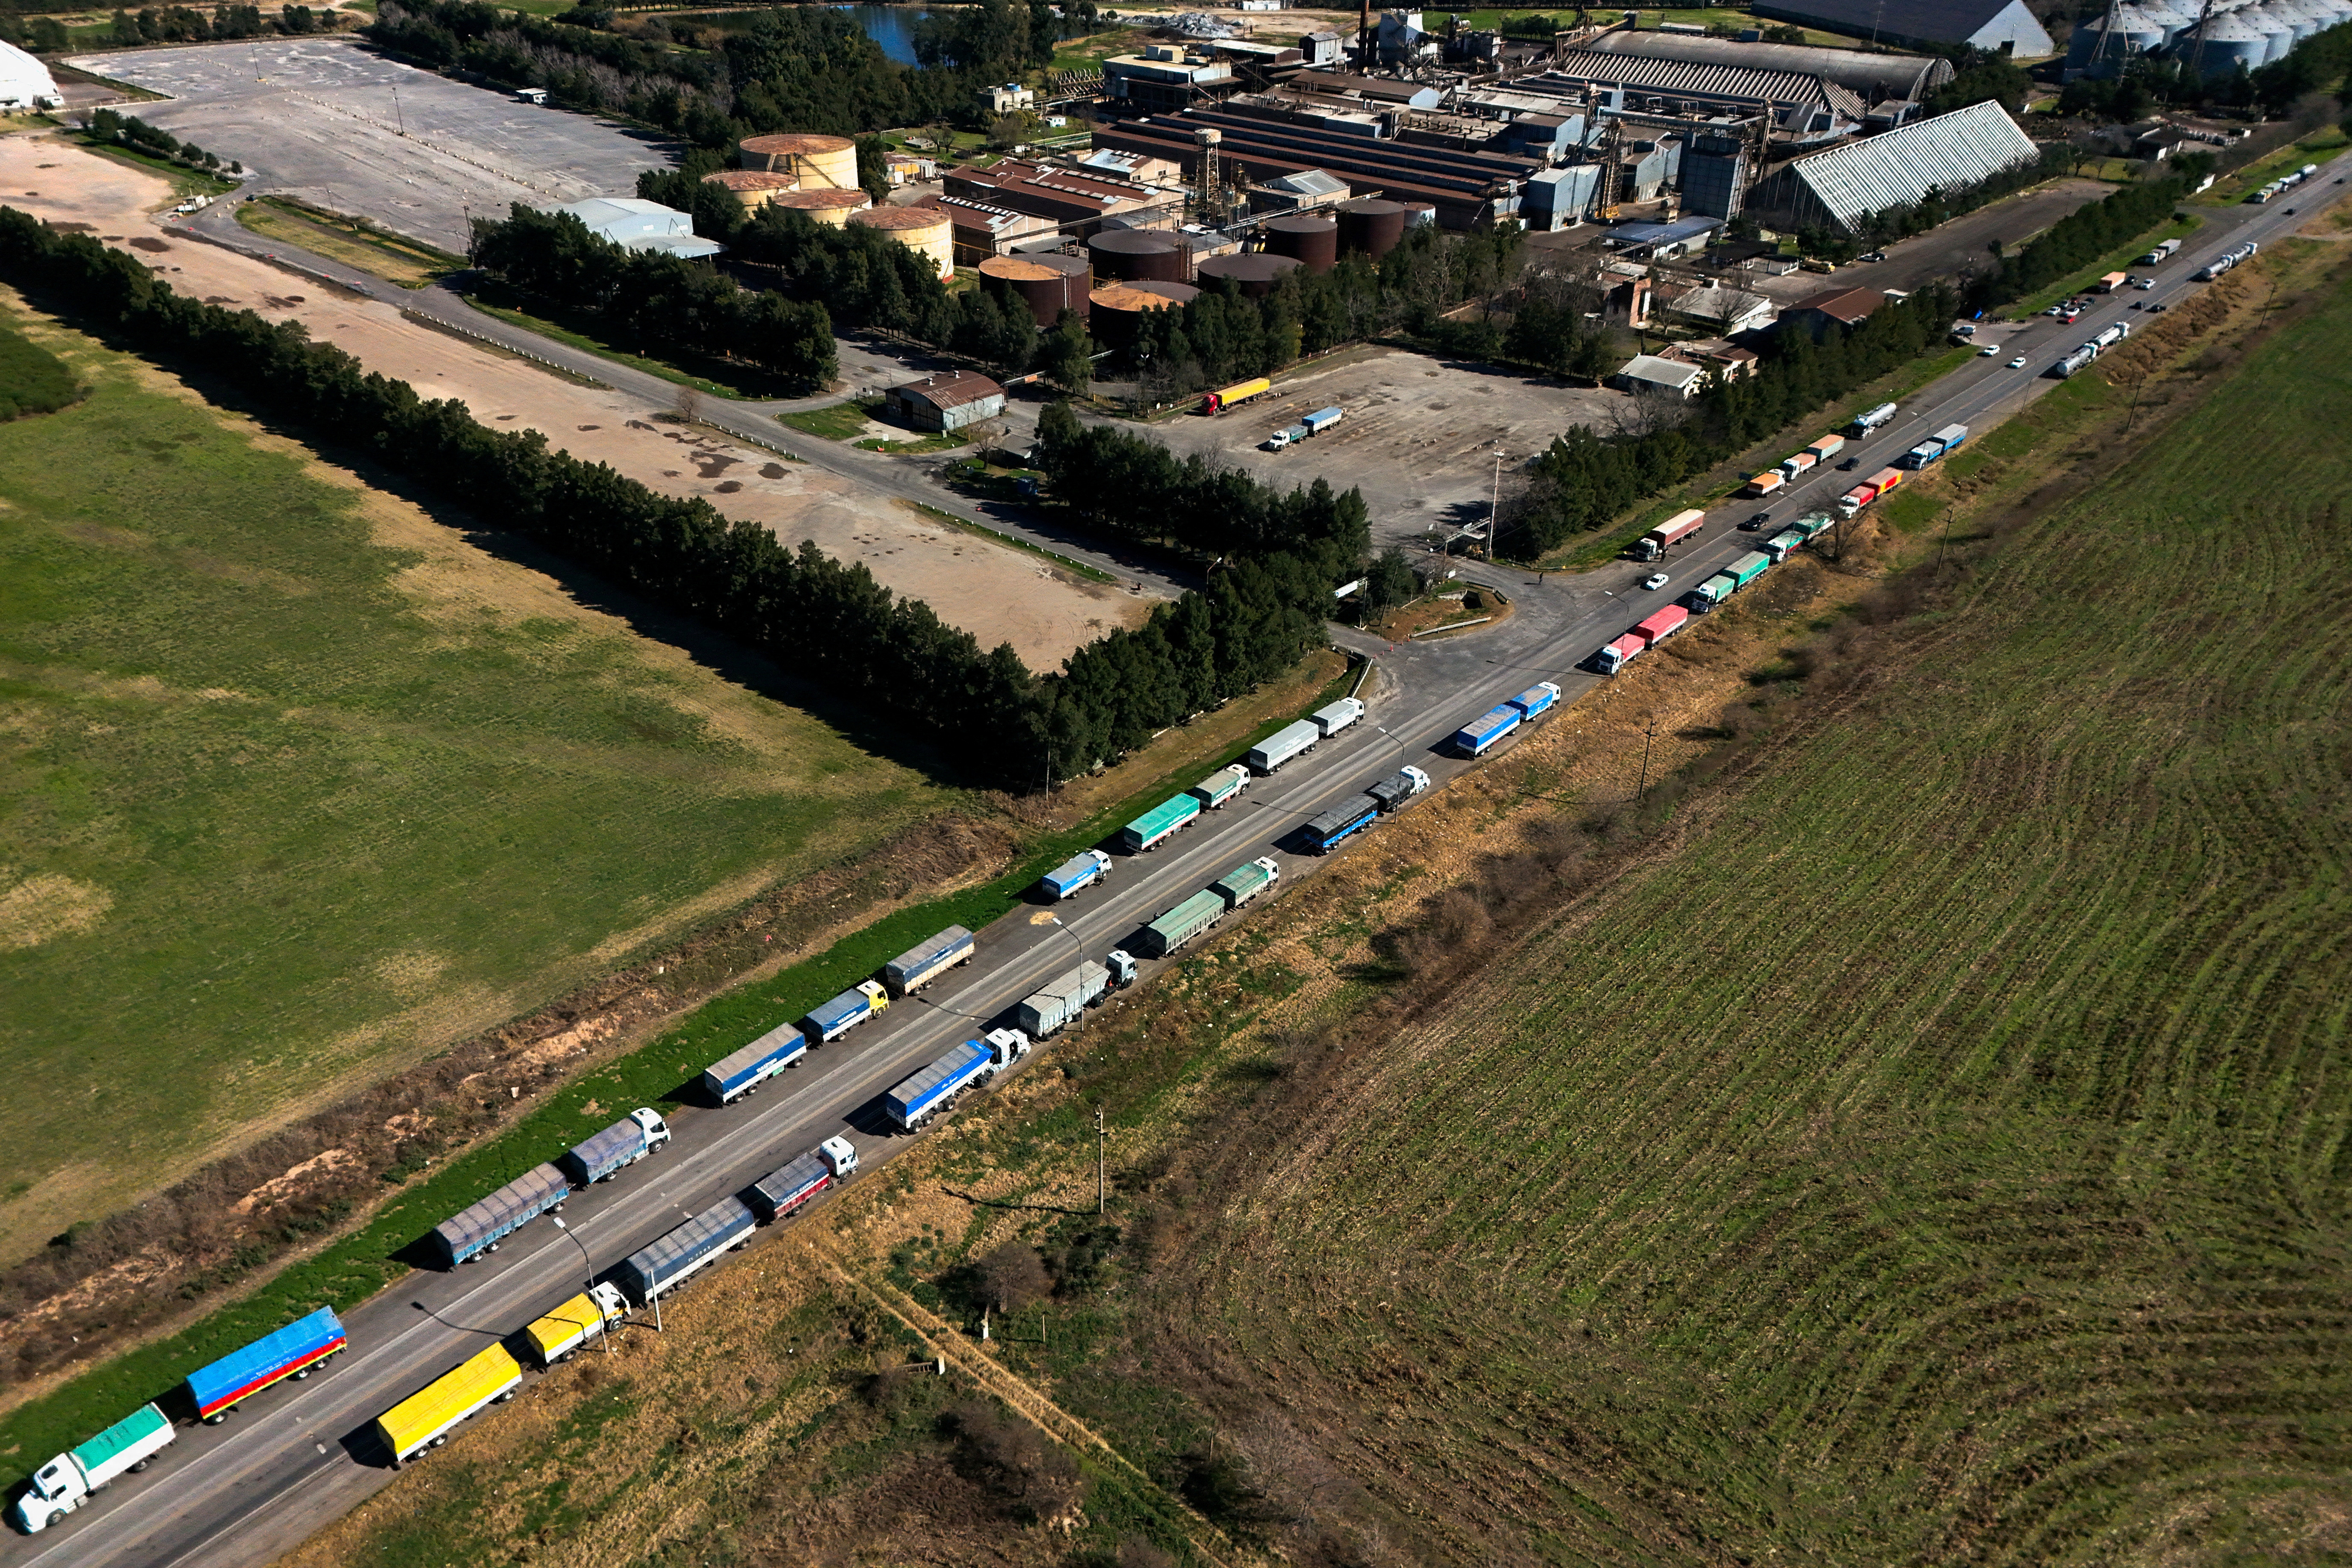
[1364,36]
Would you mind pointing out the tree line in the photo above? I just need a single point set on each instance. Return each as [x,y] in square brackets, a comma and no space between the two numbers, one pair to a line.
[654,297]
[2086,234]
[129,131]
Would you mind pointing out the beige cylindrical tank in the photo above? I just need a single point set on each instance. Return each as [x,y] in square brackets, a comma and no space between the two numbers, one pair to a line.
[1047,284]
[824,162]
[923,229]
[754,187]
[824,206]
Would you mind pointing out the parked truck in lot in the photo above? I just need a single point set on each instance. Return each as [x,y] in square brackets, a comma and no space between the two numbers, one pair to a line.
[1082,869]
[927,960]
[556,1337]
[1678,528]
[1475,738]
[1322,420]
[624,1143]
[70,1480]
[1342,822]
[1288,436]
[1615,656]
[732,1076]
[425,1419]
[1397,791]
[1063,1000]
[846,1011]
[1863,424]
[1337,716]
[1225,785]
[725,1227]
[1290,740]
[1231,396]
[786,1190]
[478,1230]
[1159,825]
[1180,925]
[295,1351]
[934,1089]
[1243,883]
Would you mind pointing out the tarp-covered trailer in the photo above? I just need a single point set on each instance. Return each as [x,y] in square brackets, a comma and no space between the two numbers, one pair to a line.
[685,1251]
[466,1236]
[927,960]
[290,1351]
[737,1074]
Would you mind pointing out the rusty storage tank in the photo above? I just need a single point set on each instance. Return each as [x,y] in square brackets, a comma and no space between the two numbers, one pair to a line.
[1371,225]
[925,230]
[1047,284]
[754,187]
[1133,254]
[1254,275]
[1117,308]
[827,162]
[826,207]
[1310,238]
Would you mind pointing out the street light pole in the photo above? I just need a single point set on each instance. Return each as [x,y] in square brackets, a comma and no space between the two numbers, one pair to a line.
[605,1332]
[1102,1181]
[1494,507]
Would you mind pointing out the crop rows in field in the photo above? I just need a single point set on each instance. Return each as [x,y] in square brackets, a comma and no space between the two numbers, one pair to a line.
[1942,1159]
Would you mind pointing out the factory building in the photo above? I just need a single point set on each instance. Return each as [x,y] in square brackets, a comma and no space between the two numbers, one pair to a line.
[1803,108]
[947,400]
[1165,79]
[636,224]
[978,230]
[1996,27]
[26,82]
[1075,198]
[1658,376]
[1873,78]
[1838,188]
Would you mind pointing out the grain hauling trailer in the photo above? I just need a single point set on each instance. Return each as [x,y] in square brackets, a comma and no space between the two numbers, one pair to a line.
[556,1337]
[1082,869]
[934,1089]
[1710,593]
[846,1011]
[1783,545]
[291,1352]
[786,1190]
[1679,529]
[1180,925]
[736,1075]
[624,1143]
[1232,397]
[1337,716]
[1224,785]
[1535,700]
[927,960]
[1159,825]
[723,1227]
[1615,656]
[1290,740]
[1322,420]
[1243,883]
[1473,739]
[67,1481]
[1063,1000]
[1342,822]
[1825,448]
[425,1419]
[1398,790]
[478,1230]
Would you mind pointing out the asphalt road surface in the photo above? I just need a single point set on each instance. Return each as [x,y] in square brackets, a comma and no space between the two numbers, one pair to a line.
[297,1456]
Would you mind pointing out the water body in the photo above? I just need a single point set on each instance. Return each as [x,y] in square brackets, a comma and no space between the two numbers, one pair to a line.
[892,26]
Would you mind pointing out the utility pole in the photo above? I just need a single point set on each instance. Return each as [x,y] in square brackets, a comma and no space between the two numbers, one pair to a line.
[1945,542]
[1102,1179]
[1495,507]
[1643,792]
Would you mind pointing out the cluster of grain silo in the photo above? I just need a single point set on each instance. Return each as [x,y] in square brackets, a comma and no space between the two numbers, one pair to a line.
[1140,255]
[2252,35]
[2101,43]
[1119,308]
[819,163]
[1254,275]
[924,230]
[754,187]
[1371,226]
[1310,238]
[1048,284]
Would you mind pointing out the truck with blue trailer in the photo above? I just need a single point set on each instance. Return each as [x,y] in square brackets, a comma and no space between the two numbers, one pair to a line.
[1290,740]
[1225,785]
[1080,871]
[70,1480]
[295,1351]
[788,1189]
[927,960]
[935,1088]
[1063,1000]
[1243,883]
[1342,822]
[1160,824]
[725,1227]
[1475,738]
[478,1231]
[846,1011]
[1535,700]
[1180,925]
[1397,791]
[624,1143]
[733,1076]
[1322,420]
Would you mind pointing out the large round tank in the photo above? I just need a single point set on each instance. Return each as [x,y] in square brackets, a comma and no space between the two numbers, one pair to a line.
[1118,308]
[1308,238]
[1128,255]
[2299,15]
[1174,293]
[755,188]
[2276,36]
[1047,284]
[2226,43]
[2169,18]
[924,230]
[826,162]
[2134,33]
[1252,275]
[826,207]
[1371,225]
[1420,215]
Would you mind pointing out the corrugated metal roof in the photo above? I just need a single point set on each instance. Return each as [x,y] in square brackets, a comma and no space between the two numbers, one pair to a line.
[1900,166]
[1574,67]
[1950,20]
[1898,76]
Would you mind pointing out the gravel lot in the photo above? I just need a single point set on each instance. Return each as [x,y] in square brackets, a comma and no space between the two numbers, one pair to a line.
[328,120]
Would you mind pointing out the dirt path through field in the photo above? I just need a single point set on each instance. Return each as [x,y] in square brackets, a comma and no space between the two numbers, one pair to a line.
[997,595]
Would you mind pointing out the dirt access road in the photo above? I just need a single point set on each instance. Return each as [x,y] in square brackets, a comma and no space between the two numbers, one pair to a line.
[996,594]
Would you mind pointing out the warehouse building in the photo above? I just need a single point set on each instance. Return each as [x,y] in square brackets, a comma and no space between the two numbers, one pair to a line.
[1657,376]
[636,224]
[1164,80]
[1839,188]
[947,400]
[1075,198]
[1817,314]
[1996,27]
[1875,77]
[26,82]
[1804,108]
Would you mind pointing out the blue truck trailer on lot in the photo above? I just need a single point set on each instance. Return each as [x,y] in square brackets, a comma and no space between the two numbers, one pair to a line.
[927,960]
[1342,822]
[290,1351]
[624,1143]
[1079,870]
[935,1088]
[685,1251]
[1473,739]
[466,1236]
[853,1006]
[732,1076]
[1535,700]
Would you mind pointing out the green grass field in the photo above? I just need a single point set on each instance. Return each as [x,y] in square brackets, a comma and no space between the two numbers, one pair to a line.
[298,786]
[1943,1156]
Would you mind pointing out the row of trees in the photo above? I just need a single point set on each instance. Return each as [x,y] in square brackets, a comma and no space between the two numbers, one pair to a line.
[652,297]
[129,131]
[2086,234]
[1584,481]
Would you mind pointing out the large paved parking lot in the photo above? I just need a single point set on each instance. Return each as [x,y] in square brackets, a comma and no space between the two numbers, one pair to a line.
[328,120]
[1418,435]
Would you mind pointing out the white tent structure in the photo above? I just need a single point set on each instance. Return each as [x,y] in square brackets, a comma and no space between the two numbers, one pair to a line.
[25,82]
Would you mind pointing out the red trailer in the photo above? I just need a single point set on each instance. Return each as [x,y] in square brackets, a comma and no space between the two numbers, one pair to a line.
[1662,625]
[1620,654]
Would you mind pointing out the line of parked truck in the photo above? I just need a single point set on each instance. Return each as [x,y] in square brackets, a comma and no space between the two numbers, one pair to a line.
[1796,466]
[2284,183]
[2107,337]
[2223,263]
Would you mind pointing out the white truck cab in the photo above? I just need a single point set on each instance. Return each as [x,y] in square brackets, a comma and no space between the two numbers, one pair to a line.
[1121,964]
[839,1157]
[657,1131]
[1009,1045]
